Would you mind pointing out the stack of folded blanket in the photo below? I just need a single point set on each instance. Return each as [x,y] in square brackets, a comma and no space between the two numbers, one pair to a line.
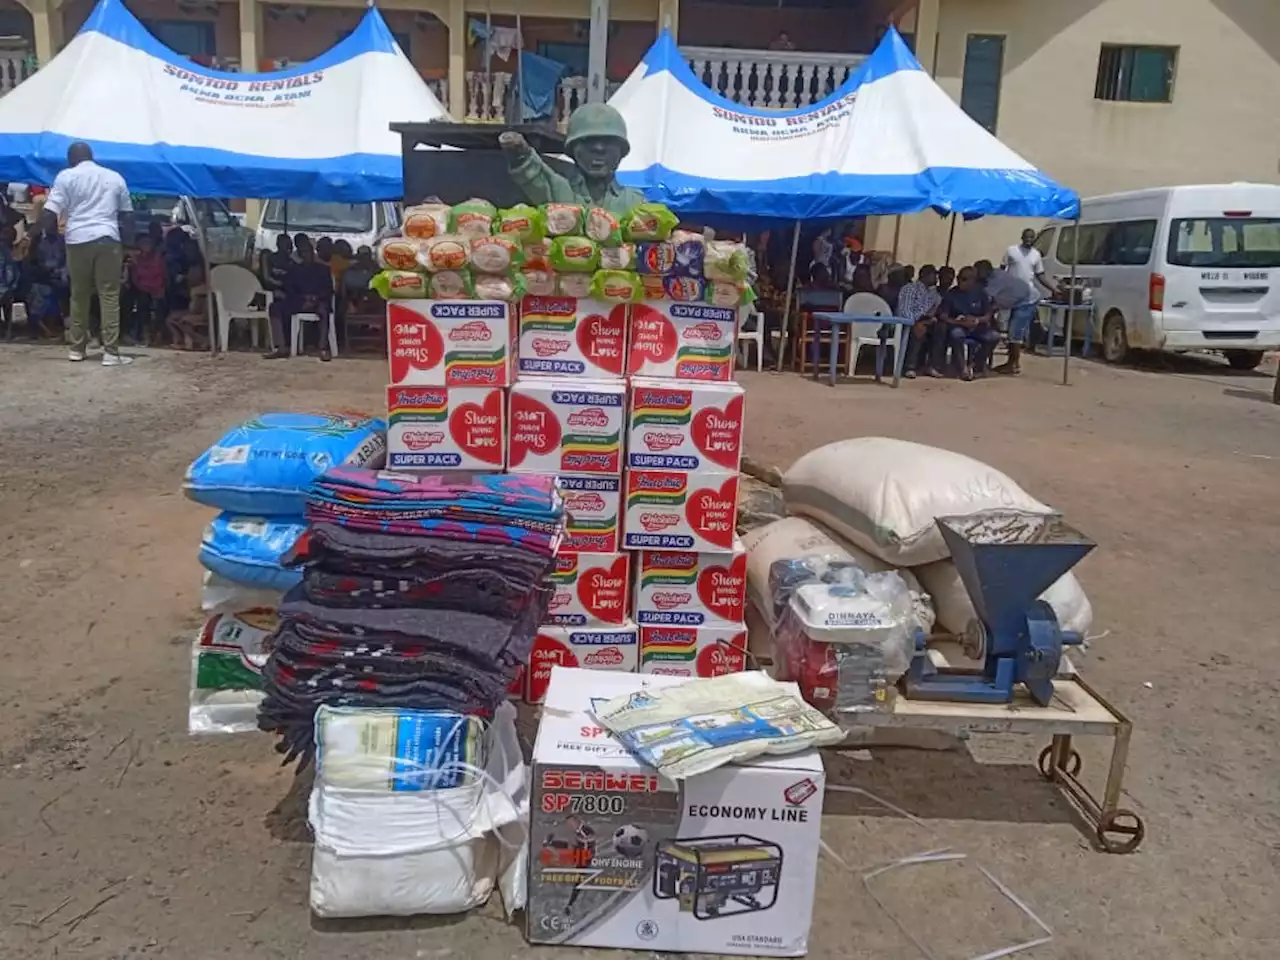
[418,592]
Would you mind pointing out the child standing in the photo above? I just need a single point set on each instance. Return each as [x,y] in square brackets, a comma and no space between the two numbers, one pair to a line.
[147,278]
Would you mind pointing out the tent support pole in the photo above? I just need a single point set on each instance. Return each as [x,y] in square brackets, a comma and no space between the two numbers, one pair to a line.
[785,333]
[951,239]
[1069,324]
[203,240]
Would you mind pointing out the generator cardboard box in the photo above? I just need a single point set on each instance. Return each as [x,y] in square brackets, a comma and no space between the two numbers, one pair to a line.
[562,336]
[687,341]
[592,506]
[615,648]
[691,589]
[452,427]
[590,588]
[559,425]
[450,343]
[723,863]
[684,426]
[693,651]
[673,510]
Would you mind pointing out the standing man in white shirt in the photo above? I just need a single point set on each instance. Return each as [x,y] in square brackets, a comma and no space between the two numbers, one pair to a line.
[96,203]
[1025,263]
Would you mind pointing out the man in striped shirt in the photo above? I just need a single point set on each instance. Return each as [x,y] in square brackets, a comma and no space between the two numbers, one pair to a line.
[918,302]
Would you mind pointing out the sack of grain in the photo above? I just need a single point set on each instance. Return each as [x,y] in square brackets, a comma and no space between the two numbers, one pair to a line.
[955,610]
[883,495]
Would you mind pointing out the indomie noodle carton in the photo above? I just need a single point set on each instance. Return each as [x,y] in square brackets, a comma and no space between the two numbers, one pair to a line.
[563,336]
[592,506]
[567,425]
[691,589]
[669,510]
[590,588]
[453,427]
[687,341]
[450,343]
[684,426]
[615,648]
[693,651]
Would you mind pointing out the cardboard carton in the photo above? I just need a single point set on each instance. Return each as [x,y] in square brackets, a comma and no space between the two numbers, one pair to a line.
[687,341]
[450,343]
[561,336]
[693,651]
[669,510]
[684,426]
[691,589]
[592,504]
[564,425]
[590,589]
[615,648]
[451,427]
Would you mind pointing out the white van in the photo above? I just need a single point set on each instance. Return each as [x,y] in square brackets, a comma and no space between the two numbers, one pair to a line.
[360,224]
[1178,269]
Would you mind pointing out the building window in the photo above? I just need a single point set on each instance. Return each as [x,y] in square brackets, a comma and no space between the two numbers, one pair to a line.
[980,87]
[191,38]
[1136,74]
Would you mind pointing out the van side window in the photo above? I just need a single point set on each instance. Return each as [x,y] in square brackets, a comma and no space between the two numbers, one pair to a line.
[1123,244]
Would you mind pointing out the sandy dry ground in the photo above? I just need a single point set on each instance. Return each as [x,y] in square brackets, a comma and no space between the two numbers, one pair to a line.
[185,851]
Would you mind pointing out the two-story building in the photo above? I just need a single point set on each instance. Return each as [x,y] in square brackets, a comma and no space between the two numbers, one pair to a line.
[1104,95]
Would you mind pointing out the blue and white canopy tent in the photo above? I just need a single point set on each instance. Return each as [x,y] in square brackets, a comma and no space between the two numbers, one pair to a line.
[888,141]
[316,131]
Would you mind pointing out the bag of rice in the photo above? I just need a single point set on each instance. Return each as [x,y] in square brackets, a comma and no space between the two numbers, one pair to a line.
[247,550]
[488,286]
[726,260]
[654,286]
[574,255]
[648,221]
[685,289]
[537,255]
[399,284]
[562,219]
[725,293]
[655,258]
[538,282]
[496,254]
[226,671]
[884,494]
[450,285]
[398,253]
[955,609]
[447,252]
[795,538]
[617,286]
[576,285]
[426,220]
[264,466]
[622,257]
[522,223]
[603,227]
[473,218]
[690,250]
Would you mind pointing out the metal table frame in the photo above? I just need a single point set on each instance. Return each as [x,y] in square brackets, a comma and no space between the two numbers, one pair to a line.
[1077,710]
[836,320]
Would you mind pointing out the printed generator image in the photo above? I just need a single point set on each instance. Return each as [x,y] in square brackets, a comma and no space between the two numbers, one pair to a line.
[708,874]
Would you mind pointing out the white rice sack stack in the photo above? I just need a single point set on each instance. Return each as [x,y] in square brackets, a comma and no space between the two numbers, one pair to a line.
[955,610]
[883,495]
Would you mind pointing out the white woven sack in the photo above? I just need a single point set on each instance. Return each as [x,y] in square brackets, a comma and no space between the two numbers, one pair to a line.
[883,495]
[955,610]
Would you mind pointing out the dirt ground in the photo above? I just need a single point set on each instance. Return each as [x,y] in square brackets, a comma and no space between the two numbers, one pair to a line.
[122,837]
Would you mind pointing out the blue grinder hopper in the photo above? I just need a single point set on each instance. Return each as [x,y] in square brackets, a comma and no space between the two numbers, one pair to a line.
[1005,560]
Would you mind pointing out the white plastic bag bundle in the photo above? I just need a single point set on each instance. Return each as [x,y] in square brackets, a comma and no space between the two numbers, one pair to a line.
[884,495]
[955,609]
[220,595]
[227,658]
[397,836]
[795,538]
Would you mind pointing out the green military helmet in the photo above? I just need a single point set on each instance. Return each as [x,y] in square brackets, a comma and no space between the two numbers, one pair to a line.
[597,120]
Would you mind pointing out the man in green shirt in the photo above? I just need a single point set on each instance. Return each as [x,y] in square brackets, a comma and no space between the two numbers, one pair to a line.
[597,142]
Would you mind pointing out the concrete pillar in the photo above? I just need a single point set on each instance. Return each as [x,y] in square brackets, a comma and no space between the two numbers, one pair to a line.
[250,35]
[927,34]
[598,52]
[458,59]
[46,21]
[669,17]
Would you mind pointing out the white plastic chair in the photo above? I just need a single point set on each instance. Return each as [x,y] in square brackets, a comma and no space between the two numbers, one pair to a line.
[233,290]
[295,337]
[866,334]
[755,336]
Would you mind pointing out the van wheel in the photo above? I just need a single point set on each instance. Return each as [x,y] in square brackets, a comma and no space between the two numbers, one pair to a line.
[1243,359]
[1115,342]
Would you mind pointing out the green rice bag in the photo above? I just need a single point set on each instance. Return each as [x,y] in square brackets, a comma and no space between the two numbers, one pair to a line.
[617,286]
[603,227]
[451,285]
[726,260]
[522,222]
[509,287]
[648,221]
[562,219]
[574,255]
[399,285]
[726,293]
[473,218]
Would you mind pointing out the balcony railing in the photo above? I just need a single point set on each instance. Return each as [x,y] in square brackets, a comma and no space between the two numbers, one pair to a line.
[487,96]
[15,66]
[771,79]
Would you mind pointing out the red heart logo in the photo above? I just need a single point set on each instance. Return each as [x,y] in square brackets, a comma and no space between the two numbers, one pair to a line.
[603,591]
[477,428]
[717,659]
[653,337]
[712,513]
[723,590]
[413,342]
[602,339]
[718,433]
[547,652]
[534,429]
